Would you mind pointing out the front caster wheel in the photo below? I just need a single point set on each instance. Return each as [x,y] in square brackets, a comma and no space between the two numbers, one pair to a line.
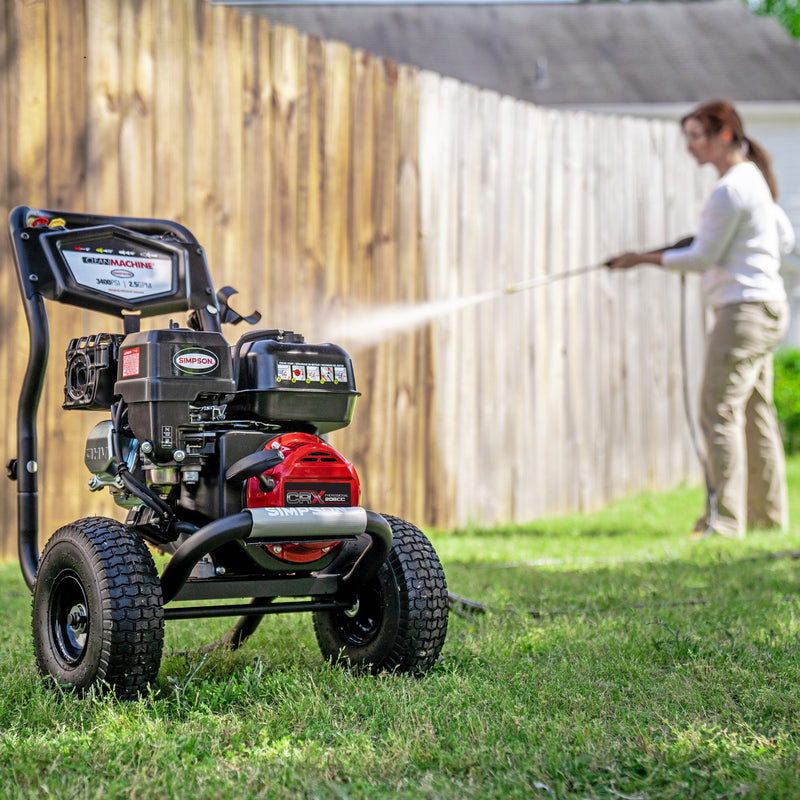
[398,620]
[97,612]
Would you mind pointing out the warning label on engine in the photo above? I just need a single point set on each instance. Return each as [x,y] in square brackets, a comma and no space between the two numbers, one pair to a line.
[130,362]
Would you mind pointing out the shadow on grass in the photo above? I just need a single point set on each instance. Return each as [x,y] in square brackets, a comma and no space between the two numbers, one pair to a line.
[725,582]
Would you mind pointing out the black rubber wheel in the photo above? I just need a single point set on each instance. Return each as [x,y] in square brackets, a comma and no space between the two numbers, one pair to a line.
[97,610]
[399,619]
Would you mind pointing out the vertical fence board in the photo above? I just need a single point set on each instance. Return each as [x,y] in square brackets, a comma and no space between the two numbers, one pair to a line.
[411,366]
[438,139]
[284,153]
[199,138]
[254,248]
[540,412]
[593,334]
[312,177]
[103,112]
[228,119]
[560,475]
[361,233]
[468,207]
[137,134]
[392,400]
[171,36]
[576,388]
[490,386]
[338,128]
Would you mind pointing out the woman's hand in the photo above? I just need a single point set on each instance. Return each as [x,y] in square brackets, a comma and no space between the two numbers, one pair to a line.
[623,261]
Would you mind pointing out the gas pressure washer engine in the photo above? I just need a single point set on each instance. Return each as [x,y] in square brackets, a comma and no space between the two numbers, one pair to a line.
[218,457]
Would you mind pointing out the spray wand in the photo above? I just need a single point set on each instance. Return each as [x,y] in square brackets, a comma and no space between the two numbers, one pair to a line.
[513,288]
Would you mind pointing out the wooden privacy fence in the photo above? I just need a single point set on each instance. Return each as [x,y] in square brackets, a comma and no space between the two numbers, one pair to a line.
[318,177]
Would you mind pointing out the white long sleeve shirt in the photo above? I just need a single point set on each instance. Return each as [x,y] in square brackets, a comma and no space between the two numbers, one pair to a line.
[739,241]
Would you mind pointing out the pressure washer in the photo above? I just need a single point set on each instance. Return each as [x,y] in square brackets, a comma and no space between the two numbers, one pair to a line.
[217,454]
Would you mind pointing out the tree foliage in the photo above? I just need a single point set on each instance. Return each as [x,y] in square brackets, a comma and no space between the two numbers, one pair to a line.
[787,12]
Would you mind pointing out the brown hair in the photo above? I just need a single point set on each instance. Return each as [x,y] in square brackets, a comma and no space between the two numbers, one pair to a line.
[718,114]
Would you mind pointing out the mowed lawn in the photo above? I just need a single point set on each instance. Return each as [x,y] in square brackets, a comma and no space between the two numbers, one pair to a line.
[610,657]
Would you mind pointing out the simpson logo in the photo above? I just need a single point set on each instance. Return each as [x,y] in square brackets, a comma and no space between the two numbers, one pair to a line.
[122,273]
[195,361]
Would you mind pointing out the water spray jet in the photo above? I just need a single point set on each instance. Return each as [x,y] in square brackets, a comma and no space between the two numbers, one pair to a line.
[369,326]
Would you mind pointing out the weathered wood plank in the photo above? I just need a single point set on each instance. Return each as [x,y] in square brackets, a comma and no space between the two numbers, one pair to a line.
[255,253]
[389,400]
[336,188]
[469,344]
[284,150]
[104,107]
[311,177]
[170,102]
[137,130]
[200,151]
[226,131]
[414,468]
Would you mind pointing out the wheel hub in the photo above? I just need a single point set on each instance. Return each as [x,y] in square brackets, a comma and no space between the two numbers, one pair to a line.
[360,623]
[353,610]
[78,618]
[69,618]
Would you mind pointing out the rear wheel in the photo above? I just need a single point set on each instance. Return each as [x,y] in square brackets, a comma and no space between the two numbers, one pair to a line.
[398,621]
[97,610]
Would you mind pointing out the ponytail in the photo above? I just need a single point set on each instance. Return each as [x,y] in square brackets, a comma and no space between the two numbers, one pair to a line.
[761,158]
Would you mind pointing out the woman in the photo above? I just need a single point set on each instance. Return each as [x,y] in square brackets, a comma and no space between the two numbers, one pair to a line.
[738,245]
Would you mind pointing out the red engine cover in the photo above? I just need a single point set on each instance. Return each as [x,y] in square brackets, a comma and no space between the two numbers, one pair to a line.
[312,473]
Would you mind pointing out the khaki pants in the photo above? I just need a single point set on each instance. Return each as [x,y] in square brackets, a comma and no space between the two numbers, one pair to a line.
[743,443]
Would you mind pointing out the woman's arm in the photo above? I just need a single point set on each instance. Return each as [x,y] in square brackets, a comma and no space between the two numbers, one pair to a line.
[717,229]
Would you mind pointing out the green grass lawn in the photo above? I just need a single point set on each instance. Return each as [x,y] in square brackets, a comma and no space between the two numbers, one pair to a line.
[616,659]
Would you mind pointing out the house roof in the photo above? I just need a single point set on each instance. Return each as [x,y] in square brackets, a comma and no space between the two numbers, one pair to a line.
[574,53]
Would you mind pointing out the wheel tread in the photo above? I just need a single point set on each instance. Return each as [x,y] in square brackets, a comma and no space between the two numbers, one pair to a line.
[132,613]
[423,602]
